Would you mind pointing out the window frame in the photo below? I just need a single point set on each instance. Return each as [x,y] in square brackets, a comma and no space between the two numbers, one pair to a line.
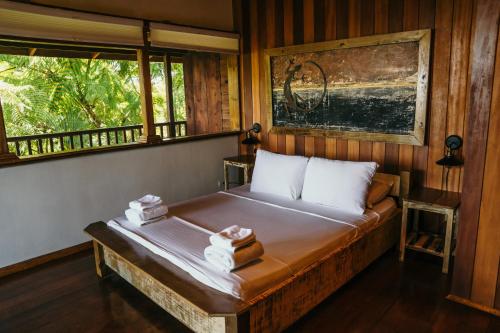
[143,56]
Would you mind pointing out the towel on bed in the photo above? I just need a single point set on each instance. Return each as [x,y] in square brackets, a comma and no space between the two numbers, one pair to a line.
[148,213]
[232,238]
[147,201]
[134,217]
[228,261]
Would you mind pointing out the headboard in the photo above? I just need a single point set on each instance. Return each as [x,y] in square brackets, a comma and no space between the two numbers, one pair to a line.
[401,183]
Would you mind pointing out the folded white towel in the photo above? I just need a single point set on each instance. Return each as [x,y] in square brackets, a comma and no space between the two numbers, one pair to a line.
[150,213]
[145,202]
[232,237]
[134,217]
[228,261]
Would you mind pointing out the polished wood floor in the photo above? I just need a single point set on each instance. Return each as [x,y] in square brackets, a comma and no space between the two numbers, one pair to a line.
[66,296]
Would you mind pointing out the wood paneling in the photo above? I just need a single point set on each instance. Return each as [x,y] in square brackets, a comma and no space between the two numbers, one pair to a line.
[211,87]
[456,104]
[439,94]
[306,21]
[482,62]
[459,64]
[487,257]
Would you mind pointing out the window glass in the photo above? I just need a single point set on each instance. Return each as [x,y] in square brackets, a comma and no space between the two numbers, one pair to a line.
[53,96]
[161,112]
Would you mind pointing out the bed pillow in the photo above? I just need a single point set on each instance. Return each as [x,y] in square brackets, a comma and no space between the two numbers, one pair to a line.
[339,184]
[377,192]
[278,174]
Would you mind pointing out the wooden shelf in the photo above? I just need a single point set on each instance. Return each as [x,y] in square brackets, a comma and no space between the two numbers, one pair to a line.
[426,242]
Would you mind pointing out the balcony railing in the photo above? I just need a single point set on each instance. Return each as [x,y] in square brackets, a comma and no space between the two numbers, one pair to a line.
[30,145]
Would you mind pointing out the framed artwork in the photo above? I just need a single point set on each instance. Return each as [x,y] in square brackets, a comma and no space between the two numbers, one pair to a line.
[370,88]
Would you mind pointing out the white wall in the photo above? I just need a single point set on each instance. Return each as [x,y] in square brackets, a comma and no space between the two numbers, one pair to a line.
[45,206]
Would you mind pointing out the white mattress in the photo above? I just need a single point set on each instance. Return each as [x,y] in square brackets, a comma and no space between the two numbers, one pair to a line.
[294,234]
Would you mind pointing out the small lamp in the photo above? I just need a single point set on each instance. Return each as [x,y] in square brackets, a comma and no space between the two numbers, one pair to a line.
[449,160]
[251,139]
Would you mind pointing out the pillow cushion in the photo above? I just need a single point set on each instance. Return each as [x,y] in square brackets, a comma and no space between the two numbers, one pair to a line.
[278,174]
[377,192]
[339,184]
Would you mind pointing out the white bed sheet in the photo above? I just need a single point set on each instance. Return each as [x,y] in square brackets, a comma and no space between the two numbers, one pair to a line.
[294,234]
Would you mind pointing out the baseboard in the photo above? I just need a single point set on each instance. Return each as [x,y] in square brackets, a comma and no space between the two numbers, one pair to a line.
[474,305]
[30,263]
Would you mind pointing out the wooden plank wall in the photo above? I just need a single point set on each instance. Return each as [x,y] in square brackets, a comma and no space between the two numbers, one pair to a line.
[478,254]
[275,23]
[208,94]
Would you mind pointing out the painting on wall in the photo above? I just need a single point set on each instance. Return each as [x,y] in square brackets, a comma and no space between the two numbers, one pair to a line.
[370,88]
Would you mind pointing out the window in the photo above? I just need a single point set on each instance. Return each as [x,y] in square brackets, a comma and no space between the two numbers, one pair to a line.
[160,105]
[104,81]
[59,100]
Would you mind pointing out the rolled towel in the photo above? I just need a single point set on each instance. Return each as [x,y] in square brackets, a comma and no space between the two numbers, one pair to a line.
[134,217]
[233,237]
[228,261]
[145,202]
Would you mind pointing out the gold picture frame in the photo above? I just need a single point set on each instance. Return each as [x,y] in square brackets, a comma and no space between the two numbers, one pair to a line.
[413,109]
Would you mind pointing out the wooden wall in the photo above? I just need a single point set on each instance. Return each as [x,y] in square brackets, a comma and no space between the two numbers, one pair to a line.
[477,263]
[274,23]
[211,99]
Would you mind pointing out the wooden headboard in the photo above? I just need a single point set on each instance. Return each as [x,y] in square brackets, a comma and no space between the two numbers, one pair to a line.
[401,183]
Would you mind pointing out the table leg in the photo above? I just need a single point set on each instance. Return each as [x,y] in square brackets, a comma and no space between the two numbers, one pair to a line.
[416,218]
[245,175]
[226,177]
[100,265]
[404,224]
[447,240]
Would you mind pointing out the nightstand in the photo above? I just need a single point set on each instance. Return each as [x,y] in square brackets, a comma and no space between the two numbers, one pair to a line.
[436,201]
[246,162]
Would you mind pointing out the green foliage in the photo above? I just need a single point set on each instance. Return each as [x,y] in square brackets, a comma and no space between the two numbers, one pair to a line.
[160,94]
[49,95]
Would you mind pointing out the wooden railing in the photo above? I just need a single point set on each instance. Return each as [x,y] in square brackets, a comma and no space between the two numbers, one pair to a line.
[30,145]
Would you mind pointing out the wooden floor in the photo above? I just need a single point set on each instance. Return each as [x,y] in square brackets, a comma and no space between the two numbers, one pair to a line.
[66,296]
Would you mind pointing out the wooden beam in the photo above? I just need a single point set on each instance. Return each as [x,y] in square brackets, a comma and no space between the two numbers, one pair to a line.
[149,132]
[31,52]
[167,62]
[5,154]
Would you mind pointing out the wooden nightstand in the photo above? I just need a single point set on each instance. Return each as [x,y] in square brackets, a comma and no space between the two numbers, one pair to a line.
[246,162]
[431,200]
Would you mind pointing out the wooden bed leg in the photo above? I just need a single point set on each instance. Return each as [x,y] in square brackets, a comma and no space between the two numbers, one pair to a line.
[100,266]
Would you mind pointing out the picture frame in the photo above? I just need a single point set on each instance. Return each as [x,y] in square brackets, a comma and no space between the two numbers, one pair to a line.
[381,96]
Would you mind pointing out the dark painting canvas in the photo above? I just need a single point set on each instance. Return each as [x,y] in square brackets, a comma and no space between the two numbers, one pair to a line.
[367,89]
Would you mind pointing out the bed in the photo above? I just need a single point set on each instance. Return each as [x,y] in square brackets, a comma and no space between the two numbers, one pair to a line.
[310,252]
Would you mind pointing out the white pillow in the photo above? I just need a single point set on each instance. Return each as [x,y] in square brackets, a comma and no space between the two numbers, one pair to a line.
[339,184]
[278,174]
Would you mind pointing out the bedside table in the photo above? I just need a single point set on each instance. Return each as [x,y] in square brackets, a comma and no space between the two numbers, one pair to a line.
[246,162]
[436,201]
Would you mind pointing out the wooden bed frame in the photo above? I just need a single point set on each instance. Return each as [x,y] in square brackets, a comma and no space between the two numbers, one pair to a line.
[204,309]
